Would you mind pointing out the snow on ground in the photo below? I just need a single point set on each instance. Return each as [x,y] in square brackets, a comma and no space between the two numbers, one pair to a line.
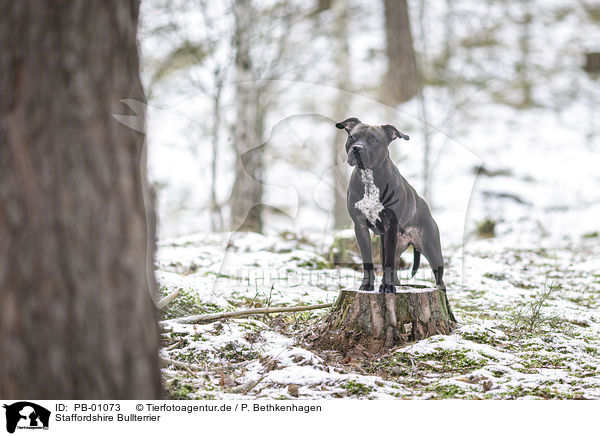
[527,299]
[499,349]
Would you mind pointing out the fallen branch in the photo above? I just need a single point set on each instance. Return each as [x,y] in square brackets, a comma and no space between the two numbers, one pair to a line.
[168,299]
[269,366]
[247,387]
[165,361]
[204,319]
[177,364]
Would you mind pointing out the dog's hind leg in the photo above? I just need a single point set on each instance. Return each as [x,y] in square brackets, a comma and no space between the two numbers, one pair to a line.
[433,252]
[429,245]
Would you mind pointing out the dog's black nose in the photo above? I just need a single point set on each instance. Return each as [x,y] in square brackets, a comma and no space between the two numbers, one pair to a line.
[357,148]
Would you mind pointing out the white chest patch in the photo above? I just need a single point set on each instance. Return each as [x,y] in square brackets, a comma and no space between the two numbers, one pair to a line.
[370,205]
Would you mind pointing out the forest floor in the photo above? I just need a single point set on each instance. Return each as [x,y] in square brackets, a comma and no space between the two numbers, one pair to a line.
[528,322]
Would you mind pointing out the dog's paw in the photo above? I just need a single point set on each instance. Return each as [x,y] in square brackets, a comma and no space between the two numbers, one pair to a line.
[366,287]
[387,289]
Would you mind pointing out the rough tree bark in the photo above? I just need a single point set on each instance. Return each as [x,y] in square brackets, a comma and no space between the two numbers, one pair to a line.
[76,315]
[375,322]
[246,194]
[401,81]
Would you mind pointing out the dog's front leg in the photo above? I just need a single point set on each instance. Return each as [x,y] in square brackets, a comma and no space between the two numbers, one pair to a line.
[364,244]
[389,245]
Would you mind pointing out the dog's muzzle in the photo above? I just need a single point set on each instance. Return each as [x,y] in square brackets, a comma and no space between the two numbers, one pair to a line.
[357,155]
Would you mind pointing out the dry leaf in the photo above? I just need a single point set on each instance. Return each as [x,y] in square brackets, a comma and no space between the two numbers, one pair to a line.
[486,385]
[293,390]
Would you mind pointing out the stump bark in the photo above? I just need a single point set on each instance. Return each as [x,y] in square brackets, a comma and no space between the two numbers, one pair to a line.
[376,321]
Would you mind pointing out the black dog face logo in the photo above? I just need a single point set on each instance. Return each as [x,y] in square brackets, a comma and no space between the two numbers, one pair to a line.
[26,415]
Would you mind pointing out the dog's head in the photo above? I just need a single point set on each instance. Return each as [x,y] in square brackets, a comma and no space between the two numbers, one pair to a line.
[367,145]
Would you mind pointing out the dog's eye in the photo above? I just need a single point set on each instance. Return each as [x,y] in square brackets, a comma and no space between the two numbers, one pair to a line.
[373,141]
[351,138]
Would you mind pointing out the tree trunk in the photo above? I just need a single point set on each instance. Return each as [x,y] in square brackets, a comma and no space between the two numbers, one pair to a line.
[246,194]
[375,322]
[401,81]
[216,217]
[523,68]
[341,54]
[77,319]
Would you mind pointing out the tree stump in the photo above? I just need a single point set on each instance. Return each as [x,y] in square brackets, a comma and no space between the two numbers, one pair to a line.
[375,321]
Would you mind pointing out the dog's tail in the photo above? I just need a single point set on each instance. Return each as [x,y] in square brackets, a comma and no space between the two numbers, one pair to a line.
[416,262]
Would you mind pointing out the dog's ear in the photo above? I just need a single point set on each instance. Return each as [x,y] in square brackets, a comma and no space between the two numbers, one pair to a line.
[348,124]
[393,133]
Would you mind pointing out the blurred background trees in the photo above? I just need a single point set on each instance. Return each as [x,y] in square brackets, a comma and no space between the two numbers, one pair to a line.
[342,59]
[401,81]
[429,67]
[246,193]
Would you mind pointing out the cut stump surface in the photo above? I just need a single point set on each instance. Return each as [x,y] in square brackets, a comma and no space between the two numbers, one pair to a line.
[376,321]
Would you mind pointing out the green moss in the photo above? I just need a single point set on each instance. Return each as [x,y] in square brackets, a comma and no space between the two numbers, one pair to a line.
[498,373]
[480,338]
[178,390]
[402,364]
[486,228]
[446,391]
[397,364]
[548,361]
[190,355]
[589,302]
[187,303]
[544,392]
[488,356]
[357,389]
[343,251]
[233,352]
[315,263]
[495,276]
[452,360]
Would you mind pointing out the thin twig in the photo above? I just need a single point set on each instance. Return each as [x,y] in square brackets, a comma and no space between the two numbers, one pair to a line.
[244,389]
[247,387]
[168,299]
[205,319]
[175,345]
[177,364]
[198,370]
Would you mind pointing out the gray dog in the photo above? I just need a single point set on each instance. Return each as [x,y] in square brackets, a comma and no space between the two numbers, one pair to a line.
[381,200]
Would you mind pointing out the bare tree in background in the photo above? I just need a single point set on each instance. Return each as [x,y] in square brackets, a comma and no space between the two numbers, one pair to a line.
[423,108]
[341,55]
[401,81]
[246,194]
[523,67]
[248,52]
[76,316]
[254,96]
